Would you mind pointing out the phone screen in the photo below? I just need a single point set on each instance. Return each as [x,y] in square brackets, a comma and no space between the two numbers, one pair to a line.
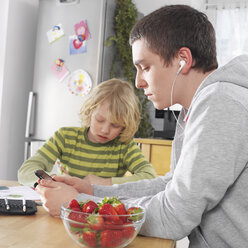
[43,175]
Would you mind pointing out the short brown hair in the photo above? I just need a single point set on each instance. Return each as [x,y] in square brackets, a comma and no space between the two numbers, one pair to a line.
[171,27]
[124,106]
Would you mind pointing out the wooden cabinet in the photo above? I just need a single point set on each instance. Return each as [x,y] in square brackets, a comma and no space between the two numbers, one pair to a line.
[157,152]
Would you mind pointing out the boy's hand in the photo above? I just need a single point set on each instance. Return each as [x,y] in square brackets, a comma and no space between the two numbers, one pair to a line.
[93,179]
[81,185]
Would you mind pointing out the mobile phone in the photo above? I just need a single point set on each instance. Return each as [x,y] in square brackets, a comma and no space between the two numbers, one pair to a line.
[43,175]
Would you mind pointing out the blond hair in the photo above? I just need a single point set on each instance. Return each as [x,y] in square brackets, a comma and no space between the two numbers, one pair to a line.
[124,107]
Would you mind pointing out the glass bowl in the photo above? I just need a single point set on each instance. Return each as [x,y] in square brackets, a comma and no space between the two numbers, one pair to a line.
[95,230]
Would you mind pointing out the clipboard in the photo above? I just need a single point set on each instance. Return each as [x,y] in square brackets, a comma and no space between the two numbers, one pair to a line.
[16,207]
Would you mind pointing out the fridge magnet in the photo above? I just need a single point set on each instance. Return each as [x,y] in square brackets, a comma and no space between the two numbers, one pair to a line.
[59,69]
[79,83]
[55,33]
[82,31]
[76,46]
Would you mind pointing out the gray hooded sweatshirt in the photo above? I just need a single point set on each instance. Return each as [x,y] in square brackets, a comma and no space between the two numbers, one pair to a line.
[205,195]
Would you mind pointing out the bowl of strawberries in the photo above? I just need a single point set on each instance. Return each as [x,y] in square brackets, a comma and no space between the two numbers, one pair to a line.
[108,223]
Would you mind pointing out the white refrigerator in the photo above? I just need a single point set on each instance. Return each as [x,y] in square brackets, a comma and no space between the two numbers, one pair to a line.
[53,103]
[34,102]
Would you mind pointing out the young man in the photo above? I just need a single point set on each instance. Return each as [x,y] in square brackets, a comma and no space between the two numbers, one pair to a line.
[204,196]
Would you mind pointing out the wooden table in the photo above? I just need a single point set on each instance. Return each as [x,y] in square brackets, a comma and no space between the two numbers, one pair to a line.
[42,230]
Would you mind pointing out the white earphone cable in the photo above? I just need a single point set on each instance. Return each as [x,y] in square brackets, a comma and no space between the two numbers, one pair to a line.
[172,89]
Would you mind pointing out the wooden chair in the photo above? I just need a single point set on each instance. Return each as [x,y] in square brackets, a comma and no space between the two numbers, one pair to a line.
[157,152]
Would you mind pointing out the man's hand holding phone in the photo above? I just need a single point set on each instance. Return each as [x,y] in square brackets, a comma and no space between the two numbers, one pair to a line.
[53,193]
[41,174]
[81,185]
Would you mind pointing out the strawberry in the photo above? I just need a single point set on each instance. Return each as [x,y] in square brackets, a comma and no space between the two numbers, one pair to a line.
[74,205]
[133,211]
[118,206]
[89,237]
[127,231]
[108,209]
[120,209]
[79,217]
[111,238]
[95,221]
[89,207]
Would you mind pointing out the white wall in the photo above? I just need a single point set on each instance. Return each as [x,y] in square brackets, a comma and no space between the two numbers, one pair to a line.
[148,6]
[18,24]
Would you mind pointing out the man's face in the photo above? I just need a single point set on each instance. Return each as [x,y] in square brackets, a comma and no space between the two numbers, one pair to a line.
[152,75]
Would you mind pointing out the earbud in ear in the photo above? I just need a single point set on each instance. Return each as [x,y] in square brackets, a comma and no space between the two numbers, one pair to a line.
[182,63]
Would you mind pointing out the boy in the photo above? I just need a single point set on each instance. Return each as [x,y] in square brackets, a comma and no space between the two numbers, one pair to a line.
[204,196]
[102,150]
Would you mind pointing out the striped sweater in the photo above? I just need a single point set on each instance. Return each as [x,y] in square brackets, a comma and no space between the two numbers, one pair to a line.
[80,157]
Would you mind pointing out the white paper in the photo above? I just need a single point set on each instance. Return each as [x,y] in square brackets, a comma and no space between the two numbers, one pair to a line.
[20,192]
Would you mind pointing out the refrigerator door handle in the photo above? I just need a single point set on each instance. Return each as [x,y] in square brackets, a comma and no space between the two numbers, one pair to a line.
[26,150]
[30,110]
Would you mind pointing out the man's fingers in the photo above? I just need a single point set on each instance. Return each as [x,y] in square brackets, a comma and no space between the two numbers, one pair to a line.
[59,178]
[48,183]
[64,179]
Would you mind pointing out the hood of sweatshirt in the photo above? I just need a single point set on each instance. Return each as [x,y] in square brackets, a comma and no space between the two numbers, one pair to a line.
[234,72]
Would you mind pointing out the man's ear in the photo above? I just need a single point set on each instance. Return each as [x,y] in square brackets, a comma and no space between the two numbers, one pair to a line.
[184,54]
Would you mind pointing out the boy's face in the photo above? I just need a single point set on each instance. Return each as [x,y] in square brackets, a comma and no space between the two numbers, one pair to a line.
[101,129]
[152,75]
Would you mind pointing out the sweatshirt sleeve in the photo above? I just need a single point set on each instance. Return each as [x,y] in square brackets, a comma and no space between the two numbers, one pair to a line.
[135,163]
[44,159]
[26,174]
[134,189]
[212,158]
[146,187]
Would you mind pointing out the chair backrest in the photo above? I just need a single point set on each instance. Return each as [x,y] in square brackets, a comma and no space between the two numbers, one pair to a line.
[157,152]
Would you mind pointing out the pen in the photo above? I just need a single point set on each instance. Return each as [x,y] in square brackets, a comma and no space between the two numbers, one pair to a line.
[7,203]
[62,168]
[24,205]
